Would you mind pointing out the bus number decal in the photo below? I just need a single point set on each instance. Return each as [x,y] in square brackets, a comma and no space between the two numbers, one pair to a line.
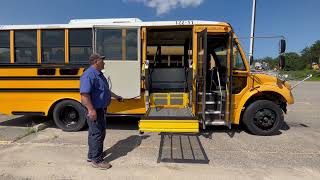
[184,22]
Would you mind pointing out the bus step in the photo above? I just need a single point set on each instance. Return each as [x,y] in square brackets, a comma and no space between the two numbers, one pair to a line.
[212,112]
[219,122]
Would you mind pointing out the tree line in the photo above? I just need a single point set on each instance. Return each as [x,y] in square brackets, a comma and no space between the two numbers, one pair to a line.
[295,61]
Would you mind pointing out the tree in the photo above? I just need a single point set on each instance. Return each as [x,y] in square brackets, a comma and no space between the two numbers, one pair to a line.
[293,62]
[311,54]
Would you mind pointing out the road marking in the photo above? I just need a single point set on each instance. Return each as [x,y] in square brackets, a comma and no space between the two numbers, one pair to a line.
[306,103]
[5,142]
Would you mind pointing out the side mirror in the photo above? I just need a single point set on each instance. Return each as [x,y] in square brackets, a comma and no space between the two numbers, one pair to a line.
[282,50]
[251,60]
[282,61]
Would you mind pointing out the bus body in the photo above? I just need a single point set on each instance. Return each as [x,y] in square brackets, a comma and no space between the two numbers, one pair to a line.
[179,76]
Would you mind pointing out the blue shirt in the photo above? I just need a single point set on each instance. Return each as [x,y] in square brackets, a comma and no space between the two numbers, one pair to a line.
[94,83]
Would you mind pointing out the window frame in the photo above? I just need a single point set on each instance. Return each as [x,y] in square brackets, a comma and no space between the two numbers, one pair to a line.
[234,68]
[79,46]
[7,61]
[52,46]
[138,30]
[35,61]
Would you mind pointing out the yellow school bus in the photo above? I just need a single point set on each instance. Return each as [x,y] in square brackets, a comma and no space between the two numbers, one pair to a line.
[179,76]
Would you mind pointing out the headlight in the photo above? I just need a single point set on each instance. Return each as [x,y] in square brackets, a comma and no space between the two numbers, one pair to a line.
[287,85]
[283,77]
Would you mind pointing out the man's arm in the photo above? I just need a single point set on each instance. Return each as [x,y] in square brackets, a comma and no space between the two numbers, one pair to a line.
[86,101]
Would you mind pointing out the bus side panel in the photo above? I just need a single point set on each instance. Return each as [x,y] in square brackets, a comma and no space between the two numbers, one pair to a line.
[32,101]
[42,102]
[132,106]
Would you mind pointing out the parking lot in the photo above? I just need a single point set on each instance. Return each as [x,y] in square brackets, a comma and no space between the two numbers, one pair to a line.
[215,153]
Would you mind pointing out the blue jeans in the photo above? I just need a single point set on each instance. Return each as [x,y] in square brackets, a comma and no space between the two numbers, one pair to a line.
[96,136]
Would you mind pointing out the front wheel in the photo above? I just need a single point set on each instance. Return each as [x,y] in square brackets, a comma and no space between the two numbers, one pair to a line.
[69,115]
[263,117]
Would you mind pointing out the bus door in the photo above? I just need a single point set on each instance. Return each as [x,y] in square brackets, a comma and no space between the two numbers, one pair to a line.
[201,75]
[121,46]
[214,78]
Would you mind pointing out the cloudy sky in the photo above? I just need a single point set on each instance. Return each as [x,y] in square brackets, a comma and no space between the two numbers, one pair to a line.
[297,20]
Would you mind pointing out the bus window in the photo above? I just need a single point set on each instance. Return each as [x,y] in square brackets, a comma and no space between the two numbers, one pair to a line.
[117,44]
[109,43]
[131,42]
[25,46]
[4,46]
[52,45]
[80,45]
[237,59]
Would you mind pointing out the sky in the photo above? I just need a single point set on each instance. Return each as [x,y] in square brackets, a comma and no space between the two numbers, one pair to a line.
[297,20]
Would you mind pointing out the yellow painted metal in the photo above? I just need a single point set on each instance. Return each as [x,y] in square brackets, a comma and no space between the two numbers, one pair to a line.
[261,83]
[169,125]
[39,46]
[11,46]
[39,84]
[26,72]
[32,101]
[184,97]
[213,28]
[66,45]
[132,106]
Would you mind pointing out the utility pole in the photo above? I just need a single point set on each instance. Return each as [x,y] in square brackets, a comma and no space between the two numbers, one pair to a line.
[253,26]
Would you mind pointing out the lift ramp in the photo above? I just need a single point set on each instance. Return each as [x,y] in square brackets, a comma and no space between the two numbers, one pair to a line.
[159,119]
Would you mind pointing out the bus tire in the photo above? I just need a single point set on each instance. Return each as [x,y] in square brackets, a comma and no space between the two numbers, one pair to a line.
[69,115]
[263,118]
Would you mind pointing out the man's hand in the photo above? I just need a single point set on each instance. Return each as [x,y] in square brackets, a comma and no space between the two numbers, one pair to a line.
[120,99]
[92,114]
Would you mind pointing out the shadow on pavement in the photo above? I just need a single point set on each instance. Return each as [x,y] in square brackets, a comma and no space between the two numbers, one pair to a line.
[22,121]
[122,123]
[123,147]
[181,148]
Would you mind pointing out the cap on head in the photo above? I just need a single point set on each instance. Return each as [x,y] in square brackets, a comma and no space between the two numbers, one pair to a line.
[94,57]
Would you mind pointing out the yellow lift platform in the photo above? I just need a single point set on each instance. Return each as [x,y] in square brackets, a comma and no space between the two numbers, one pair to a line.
[159,119]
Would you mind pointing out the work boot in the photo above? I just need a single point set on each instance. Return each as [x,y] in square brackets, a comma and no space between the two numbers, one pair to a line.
[101,165]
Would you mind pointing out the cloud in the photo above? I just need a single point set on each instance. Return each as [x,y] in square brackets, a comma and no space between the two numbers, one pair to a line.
[164,6]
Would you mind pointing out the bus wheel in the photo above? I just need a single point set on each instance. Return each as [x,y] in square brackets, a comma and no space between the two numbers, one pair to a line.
[69,115]
[263,117]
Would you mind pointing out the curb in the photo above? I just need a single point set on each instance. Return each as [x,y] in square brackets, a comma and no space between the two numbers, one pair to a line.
[31,130]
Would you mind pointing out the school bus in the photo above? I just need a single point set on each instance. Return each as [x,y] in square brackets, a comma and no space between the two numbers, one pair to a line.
[179,76]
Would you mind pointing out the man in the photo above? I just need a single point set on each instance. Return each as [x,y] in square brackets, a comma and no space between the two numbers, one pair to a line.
[96,96]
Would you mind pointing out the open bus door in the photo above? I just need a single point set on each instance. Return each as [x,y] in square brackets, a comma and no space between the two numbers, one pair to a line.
[201,75]
[160,118]
[214,104]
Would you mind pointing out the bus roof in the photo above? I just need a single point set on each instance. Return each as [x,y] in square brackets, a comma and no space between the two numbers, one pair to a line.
[116,22]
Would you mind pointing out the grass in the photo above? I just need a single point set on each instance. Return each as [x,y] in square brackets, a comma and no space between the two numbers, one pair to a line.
[299,75]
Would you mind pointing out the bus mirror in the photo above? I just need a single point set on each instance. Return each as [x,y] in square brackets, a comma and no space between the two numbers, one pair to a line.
[282,61]
[251,60]
[282,46]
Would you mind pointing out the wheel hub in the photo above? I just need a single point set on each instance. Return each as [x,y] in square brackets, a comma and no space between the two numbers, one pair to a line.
[265,118]
[69,116]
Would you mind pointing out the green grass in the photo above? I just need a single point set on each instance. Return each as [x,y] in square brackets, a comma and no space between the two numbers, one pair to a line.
[299,75]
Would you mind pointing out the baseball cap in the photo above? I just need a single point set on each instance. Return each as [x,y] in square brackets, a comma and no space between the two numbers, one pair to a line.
[95,56]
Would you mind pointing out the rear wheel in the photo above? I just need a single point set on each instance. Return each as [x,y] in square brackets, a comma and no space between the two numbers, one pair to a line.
[69,115]
[263,117]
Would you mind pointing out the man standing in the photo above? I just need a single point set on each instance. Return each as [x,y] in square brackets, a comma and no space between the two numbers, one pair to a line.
[96,96]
